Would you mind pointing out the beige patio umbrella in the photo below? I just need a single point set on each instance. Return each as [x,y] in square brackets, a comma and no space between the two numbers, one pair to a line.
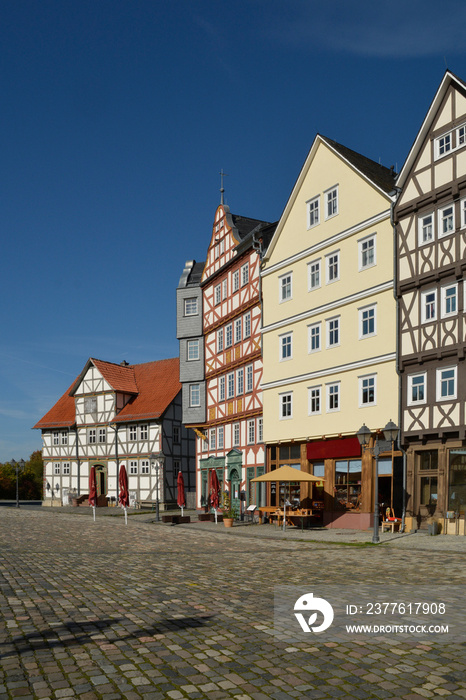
[287,474]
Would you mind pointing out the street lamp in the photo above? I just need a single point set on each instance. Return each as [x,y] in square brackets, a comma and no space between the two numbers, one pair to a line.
[159,459]
[17,466]
[390,434]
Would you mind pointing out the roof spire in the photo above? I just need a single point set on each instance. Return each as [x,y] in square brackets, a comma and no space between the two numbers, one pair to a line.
[222,190]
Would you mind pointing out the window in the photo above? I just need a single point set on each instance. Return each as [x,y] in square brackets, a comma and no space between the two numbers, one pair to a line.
[64,438]
[194,395]
[260,430]
[56,468]
[251,432]
[193,350]
[66,468]
[236,434]
[331,202]
[56,438]
[367,395]
[446,220]
[221,390]
[145,466]
[91,436]
[133,433]
[463,213]
[191,307]
[247,324]
[313,212]
[314,337]
[367,252]
[220,340]
[461,136]
[143,432]
[429,305]
[245,274]
[314,393]
[333,332]
[333,397]
[367,322]
[240,382]
[238,330]
[231,384]
[348,477]
[218,294]
[285,346]
[449,296]
[314,275]
[446,384]
[417,389]
[90,405]
[222,246]
[285,287]
[220,437]
[133,467]
[229,335]
[102,435]
[235,281]
[443,145]
[213,435]
[176,434]
[224,288]
[426,228]
[333,267]
[249,378]
[286,405]
[428,460]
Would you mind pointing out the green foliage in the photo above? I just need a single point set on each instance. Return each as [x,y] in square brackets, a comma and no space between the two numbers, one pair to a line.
[228,510]
[30,479]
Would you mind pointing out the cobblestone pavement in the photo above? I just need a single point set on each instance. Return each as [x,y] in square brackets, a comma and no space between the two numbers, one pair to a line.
[100,610]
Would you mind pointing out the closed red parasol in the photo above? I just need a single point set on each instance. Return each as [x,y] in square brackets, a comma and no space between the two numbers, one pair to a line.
[92,489]
[214,494]
[123,495]
[181,498]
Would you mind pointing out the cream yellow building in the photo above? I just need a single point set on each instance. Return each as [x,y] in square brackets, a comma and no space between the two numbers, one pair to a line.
[329,330]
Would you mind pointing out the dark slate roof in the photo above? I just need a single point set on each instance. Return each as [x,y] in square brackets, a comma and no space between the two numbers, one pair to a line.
[245,225]
[192,274]
[380,175]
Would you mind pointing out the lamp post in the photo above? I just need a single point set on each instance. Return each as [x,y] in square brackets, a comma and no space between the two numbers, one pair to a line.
[390,434]
[159,459]
[17,466]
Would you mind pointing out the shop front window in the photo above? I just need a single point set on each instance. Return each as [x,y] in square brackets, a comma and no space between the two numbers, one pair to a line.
[348,484]
[429,490]
[457,485]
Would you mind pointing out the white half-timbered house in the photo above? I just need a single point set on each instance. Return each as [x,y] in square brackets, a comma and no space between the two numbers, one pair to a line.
[113,415]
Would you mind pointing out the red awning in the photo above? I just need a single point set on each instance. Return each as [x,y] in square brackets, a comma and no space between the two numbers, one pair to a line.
[333,449]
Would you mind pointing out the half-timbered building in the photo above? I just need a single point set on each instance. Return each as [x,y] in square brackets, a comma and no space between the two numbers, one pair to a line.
[230,431]
[113,415]
[430,219]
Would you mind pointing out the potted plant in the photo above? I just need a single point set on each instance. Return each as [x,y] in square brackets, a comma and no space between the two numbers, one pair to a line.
[229,511]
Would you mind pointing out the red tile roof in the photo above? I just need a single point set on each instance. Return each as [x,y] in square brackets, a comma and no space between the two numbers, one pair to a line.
[155,385]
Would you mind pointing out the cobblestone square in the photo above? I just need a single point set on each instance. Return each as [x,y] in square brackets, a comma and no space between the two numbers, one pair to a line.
[103,610]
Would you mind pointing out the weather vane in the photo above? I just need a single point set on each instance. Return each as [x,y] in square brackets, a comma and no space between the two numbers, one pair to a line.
[222,190]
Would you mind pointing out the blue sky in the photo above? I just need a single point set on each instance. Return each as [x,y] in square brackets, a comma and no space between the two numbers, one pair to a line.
[117,116]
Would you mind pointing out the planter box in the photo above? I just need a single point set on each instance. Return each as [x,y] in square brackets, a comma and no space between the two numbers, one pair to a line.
[184,519]
[203,516]
[169,518]
[219,518]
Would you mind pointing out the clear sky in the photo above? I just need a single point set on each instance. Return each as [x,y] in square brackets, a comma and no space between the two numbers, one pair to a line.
[116,119]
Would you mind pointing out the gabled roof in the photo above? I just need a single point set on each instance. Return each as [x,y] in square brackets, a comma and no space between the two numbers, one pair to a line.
[448,79]
[154,385]
[377,175]
[244,225]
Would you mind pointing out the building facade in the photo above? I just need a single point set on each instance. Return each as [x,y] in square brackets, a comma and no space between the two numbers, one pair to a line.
[430,219]
[329,330]
[113,415]
[222,397]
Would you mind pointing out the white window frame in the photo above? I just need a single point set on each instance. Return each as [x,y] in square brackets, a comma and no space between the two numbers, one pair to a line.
[247,325]
[249,379]
[260,429]
[444,300]
[439,381]
[286,346]
[235,281]
[331,201]
[245,275]
[92,436]
[56,437]
[236,437]
[191,306]
[422,226]
[194,389]
[411,377]
[224,289]
[217,294]
[314,393]
[463,213]
[145,466]
[317,327]
[335,386]
[286,405]
[313,212]
[133,433]
[64,437]
[66,468]
[443,145]
[425,305]
[240,381]
[212,439]
[230,385]
[251,431]
[362,252]
[133,466]
[238,330]
[56,468]
[285,283]
[220,340]
[329,266]
[363,387]
[442,218]
[102,436]
[193,350]
[314,269]
[221,389]
[221,437]
[144,431]
[361,311]
[331,328]
[229,335]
